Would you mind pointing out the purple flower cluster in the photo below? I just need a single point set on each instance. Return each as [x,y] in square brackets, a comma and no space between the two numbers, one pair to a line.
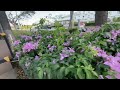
[37,57]
[49,36]
[89,30]
[93,29]
[66,43]
[114,34]
[112,61]
[18,54]
[17,42]
[101,53]
[26,38]
[66,52]
[51,48]
[30,46]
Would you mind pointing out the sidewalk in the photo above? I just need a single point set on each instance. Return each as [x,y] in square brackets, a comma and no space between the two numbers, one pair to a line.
[6,71]
[9,75]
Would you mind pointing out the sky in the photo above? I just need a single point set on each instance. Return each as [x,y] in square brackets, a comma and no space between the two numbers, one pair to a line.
[42,14]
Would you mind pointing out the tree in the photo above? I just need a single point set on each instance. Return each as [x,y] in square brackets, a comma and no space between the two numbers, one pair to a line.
[42,21]
[101,17]
[57,24]
[71,24]
[15,18]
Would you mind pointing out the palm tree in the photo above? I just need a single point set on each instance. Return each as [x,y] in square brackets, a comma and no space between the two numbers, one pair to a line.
[101,17]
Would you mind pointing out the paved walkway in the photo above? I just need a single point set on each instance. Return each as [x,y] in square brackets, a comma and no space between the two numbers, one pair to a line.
[6,71]
[9,75]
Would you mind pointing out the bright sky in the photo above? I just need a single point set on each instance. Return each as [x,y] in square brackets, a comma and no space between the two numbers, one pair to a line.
[43,14]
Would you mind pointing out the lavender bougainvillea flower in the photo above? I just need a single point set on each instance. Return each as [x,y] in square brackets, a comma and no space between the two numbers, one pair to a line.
[37,57]
[54,62]
[49,36]
[71,50]
[27,47]
[62,56]
[101,53]
[52,48]
[17,42]
[108,76]
[66,43]
[100,77]
[66,52]
[48,46]
[26,38]
[117,75]
[18,54]
[118,54]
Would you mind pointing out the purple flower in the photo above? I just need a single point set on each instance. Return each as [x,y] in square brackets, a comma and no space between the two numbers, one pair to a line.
[66,43]
[18,54]
[62,56]
[36,45]
[101,77]
[26,38]
[108,76]
[48,46]
[54,62]
[17,42]
[52,48]
[117,75]
[114,64]
[49,36]
[101,53]
[66,52]
[71,50]
[37,57]
[29,46]
[118,54]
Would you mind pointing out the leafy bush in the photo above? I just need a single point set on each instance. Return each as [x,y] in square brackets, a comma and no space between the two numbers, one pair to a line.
[57,24]
[116,19]
[62,55]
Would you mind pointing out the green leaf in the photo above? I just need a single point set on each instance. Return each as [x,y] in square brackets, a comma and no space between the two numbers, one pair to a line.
[61,73]
[67,71]
[56,66]
[94,73]
[49,74]
[80,73]
[40,74]
[88,74]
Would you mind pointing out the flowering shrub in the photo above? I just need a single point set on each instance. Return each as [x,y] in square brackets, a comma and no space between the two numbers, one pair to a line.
[59,54]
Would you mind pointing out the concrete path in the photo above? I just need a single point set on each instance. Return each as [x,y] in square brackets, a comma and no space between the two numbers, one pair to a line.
[6,71]
[9,75]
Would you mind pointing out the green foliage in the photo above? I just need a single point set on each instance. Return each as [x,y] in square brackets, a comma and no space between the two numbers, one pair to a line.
[116,19]
[81,65]
[42,21]
[57,24]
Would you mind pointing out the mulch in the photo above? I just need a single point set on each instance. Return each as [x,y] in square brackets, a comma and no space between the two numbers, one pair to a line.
[20,72]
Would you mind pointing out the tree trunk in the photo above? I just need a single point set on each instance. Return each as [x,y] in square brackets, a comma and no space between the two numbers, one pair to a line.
[101,17]
[71,24]
[6,26]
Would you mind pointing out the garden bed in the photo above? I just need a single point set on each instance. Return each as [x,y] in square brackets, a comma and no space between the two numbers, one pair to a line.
[58,54]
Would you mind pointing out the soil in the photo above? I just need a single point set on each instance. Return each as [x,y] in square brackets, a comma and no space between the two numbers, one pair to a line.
[19,70]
